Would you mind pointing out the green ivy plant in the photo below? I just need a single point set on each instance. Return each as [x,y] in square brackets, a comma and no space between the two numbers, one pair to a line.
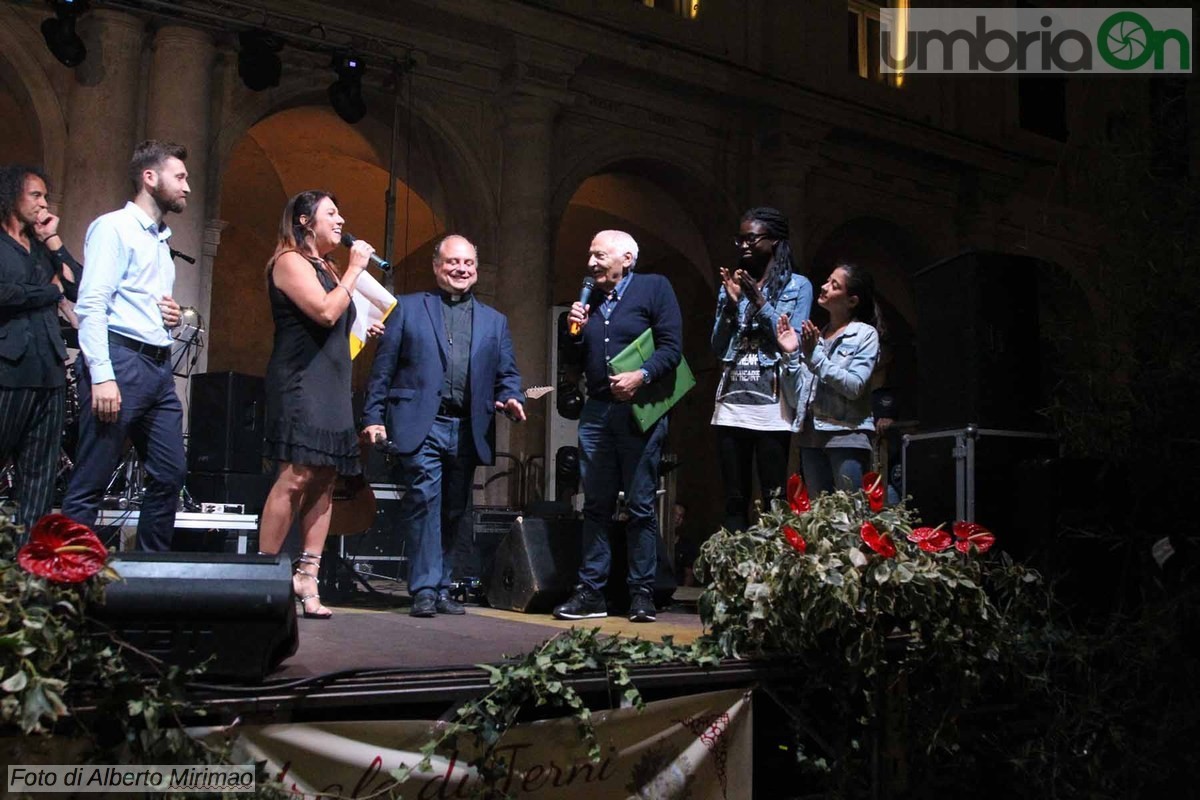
[539,679]
[43,640]
[62,672]
[866,625]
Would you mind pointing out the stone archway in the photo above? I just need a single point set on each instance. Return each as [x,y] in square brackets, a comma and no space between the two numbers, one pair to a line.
[296,149]
[40,137]
[433,158]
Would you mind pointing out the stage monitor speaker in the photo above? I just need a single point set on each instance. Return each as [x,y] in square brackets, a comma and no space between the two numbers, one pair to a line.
[537,564]
[225,423]
[185,608]
[977,342]
[249,489]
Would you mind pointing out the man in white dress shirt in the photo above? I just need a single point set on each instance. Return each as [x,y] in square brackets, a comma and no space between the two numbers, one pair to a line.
[126,385]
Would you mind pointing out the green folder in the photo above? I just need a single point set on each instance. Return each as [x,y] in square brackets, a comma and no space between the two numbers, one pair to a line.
[656,399]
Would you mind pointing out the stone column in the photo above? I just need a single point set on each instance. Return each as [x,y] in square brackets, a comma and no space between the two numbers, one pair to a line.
[208,254]
[178,100]
[522,281]
[101,122]
[177,110]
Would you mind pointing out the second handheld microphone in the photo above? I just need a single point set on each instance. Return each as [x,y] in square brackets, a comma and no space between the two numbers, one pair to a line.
[349,239]
[585,291]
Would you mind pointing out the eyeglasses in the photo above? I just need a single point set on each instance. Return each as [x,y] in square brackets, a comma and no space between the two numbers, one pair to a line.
[748,241]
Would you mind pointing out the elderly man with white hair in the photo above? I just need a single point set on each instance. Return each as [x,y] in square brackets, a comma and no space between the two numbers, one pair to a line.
[615,454]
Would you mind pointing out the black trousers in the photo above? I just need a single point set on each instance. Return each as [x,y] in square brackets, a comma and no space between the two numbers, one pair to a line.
[31,426]
[739,451]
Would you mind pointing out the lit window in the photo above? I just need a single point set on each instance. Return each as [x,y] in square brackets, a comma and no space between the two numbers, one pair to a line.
[689,9]
[862,40]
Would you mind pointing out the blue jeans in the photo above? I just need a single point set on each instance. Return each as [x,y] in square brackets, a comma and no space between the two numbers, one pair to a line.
[151,417]
[437,479]
[614,455]
[830,468]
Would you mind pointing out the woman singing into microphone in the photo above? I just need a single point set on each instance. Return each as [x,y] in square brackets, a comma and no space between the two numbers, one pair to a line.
[310,426]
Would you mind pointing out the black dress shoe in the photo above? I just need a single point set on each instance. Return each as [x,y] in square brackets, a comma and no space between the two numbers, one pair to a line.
[448,605]
[424,605]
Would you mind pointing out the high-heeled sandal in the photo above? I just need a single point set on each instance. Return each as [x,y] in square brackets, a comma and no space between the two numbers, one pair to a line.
[309,559]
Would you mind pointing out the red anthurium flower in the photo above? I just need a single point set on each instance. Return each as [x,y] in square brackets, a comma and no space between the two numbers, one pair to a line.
[794,538]
[931,540]
[797,495]
[62,550]
[880,543]
[972,534]
[873,486]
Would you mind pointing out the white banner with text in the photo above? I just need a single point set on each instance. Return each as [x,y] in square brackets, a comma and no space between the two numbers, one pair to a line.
[697,746]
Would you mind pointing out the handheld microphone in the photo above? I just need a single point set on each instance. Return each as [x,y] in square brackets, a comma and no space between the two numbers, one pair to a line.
[348,239]
[585,291]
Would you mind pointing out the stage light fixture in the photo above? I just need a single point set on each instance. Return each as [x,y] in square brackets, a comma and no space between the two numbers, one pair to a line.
[59,32]
[259,65]
[345,94]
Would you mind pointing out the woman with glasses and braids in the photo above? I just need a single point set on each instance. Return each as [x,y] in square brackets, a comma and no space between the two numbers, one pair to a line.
[753,417]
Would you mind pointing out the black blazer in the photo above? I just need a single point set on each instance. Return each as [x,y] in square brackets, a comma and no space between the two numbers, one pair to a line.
[29,326]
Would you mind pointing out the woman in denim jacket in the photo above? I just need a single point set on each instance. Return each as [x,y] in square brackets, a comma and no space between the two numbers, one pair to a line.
[829,374]
[753,418]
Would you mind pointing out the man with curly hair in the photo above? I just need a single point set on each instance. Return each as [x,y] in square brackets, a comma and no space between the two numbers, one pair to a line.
[36,273]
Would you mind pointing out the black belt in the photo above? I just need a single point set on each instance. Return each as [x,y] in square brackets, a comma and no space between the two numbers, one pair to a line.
[448,409]
[160,354]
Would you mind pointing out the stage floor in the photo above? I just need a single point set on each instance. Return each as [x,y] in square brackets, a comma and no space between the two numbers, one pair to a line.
[371,631]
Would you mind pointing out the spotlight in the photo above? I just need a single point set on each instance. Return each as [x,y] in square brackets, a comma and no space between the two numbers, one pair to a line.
[345,94]
[60,35]
[258,63]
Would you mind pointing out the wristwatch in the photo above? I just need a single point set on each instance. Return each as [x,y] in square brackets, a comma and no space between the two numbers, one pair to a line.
[645,376]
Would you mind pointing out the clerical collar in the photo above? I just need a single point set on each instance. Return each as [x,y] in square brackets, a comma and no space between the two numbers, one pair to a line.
[454,299]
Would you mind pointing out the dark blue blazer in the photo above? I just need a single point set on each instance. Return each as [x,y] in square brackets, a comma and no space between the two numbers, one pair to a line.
[410,368]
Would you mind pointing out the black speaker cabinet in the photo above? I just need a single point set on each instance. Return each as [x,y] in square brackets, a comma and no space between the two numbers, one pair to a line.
[537,564]
[187,607]
[225,423]
[977,342]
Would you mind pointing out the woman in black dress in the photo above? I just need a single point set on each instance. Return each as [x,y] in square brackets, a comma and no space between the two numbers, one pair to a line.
[310,428]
